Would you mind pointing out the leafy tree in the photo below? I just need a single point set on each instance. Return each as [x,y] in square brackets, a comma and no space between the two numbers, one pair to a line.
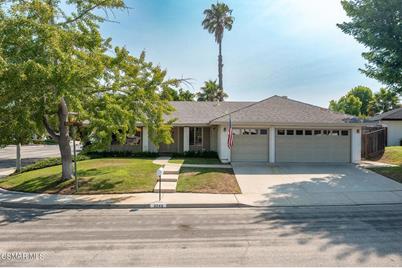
[211,92]
[384,100]
[16,127]
[54,63]
[348,104]
[365,95]
[217,19]
[177,95]
[377,25]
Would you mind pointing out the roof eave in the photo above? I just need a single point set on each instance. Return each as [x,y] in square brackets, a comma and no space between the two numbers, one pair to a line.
[305,124]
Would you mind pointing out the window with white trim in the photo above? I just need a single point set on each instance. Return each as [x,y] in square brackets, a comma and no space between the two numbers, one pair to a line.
[196,136]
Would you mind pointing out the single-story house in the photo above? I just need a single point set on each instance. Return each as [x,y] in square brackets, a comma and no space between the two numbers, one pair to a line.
[392,120]
[276,129]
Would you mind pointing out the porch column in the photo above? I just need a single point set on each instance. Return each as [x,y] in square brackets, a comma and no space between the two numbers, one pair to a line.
[186,139]
[272,145]
[356,145]
[145,139]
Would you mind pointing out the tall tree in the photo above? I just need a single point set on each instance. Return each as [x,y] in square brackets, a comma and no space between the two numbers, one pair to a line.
[217,19]
[365,95]
[377,25]
[56,62]
[348,104]
[383,101]
[177,95]
[211,92]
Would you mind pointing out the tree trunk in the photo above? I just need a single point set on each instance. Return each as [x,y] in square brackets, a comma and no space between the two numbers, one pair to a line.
[64,141]
[220,67]
[18,158]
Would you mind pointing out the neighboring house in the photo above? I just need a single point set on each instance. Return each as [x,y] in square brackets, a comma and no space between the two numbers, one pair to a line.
[276,129]
[393,121]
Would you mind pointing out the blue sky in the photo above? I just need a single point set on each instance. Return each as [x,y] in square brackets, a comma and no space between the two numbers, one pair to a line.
[283,47]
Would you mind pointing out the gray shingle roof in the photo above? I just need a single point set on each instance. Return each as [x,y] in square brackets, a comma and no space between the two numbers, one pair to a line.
[282,110]
[390,115]
[191,112]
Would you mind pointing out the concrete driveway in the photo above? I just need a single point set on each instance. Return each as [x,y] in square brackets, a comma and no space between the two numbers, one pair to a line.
[302,184]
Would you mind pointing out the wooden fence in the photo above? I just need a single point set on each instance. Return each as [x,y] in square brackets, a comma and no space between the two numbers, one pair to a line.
[374,140]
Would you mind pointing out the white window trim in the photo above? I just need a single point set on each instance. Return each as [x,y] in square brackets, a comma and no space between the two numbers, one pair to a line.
[202,136]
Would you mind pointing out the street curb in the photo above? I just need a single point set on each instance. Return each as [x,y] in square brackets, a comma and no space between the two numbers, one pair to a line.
[148,206]
[115,206]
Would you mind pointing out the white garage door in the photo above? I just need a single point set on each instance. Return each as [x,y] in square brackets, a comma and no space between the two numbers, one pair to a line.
[250,145]
[304,145]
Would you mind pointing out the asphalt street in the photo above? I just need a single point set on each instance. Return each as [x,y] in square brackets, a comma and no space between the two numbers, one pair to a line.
[29,154]
[315,236]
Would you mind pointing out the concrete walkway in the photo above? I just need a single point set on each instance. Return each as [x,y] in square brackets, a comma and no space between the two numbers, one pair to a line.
[374,164]
[142,200]
[170,176]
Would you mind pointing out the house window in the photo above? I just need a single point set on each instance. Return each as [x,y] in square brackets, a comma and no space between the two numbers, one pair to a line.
[281,132]
[236,131]
[335,133]
[290,132]
[326,132]
[317,132]
[263,131]
[253,131]
[308,132]
[196,136]
[299,132]
[344,133]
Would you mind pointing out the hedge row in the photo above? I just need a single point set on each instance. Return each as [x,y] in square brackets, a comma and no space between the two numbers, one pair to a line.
[50,162]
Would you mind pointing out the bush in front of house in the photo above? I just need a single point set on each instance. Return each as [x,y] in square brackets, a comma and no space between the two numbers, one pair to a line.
[200,154]
[55,161]
[50,162]
[103,154]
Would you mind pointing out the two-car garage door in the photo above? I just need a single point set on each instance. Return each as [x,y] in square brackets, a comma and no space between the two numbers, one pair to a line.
[304,145]
[293,145]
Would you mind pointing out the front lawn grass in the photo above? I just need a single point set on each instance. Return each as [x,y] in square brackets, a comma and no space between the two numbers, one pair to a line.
[392,155]
[195,160]
[394,173]
[97,176]
[207,180]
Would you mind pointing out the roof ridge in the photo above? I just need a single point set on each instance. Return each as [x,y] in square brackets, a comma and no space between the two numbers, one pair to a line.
[385,114]
[316,106]
[248,106]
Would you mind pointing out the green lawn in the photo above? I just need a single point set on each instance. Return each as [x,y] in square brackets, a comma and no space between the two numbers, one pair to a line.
[392,155]
[107,175]
[394,173]
[207,180]
[194,160]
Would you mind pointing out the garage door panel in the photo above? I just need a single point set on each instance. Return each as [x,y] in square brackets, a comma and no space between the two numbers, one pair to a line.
[250,148]
[312,148]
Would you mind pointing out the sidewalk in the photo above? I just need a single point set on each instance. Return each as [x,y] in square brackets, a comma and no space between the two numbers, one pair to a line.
[138,200]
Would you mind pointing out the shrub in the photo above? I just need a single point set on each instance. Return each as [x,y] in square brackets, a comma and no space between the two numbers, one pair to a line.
[102,154]
[200,154]
[55,161]
[50,162]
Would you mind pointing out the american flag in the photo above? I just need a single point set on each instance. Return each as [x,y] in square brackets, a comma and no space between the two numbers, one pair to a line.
[230,134]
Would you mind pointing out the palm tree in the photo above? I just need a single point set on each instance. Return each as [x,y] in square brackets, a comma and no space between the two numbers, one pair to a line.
[211,92]
[217,19]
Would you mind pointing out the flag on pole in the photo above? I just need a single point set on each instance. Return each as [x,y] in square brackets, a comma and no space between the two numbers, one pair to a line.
[230,134]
